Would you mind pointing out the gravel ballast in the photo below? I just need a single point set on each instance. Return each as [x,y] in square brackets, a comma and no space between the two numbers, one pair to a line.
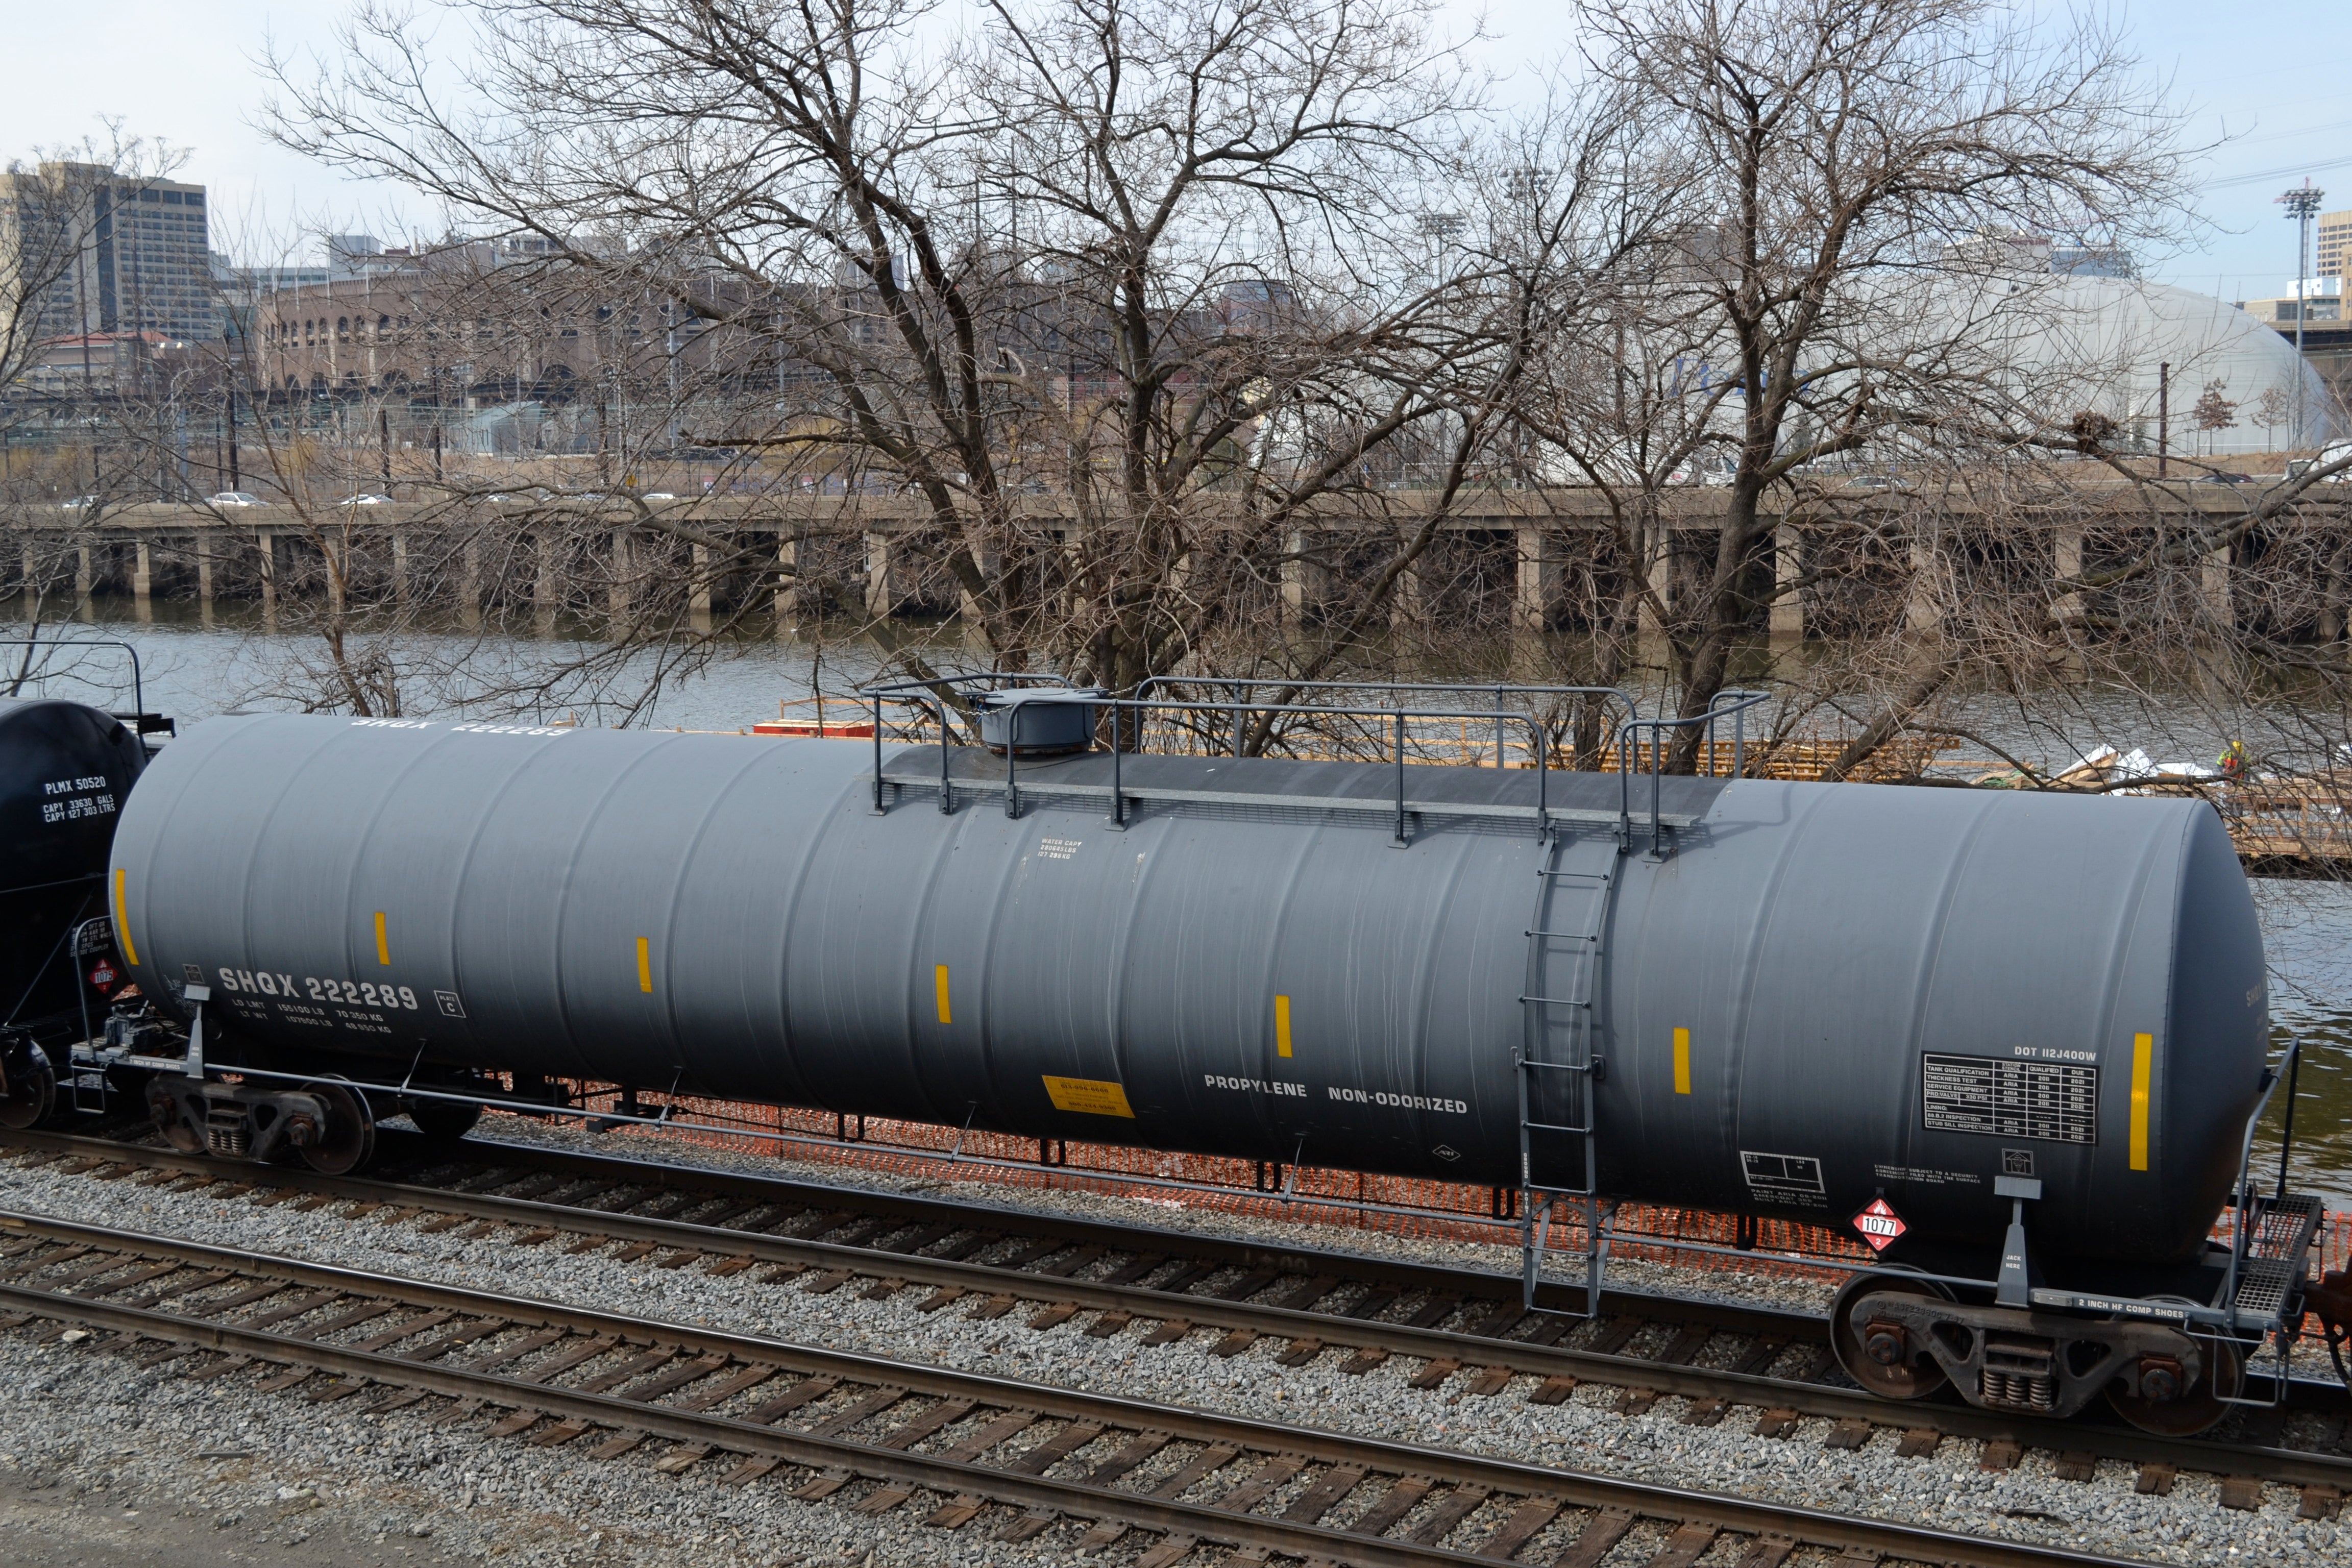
[1946,1490]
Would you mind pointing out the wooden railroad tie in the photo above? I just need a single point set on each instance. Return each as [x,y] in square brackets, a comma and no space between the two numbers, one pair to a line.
[2241,1492]
[1632,1402]
[2002,1454]
[955,1515]
[1852,1433]
[1434,1374]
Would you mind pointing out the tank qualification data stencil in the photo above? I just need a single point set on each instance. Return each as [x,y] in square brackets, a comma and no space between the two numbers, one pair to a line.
[2004,1099]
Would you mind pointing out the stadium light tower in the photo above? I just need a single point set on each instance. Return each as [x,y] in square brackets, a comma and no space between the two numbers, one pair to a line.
[2302,205]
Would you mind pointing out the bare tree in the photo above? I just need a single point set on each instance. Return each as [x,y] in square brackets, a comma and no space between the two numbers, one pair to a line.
[2272,410]
[1127,302]
[1830,156]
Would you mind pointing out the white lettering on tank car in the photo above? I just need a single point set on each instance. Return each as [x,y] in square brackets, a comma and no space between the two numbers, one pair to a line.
[1401,1101]
[1784,1179]
[391,724]
[1919,1175]
[356,992]
[1255,1085]
[77,802]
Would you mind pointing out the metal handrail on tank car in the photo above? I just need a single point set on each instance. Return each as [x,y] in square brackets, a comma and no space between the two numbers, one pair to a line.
[1629,747]
[1239,682]
[921,694]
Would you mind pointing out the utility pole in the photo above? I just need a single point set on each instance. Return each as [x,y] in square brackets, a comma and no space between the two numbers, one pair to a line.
[2302,205]
[2163,417]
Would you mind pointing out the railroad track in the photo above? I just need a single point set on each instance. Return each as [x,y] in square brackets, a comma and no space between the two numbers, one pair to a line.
[1768,1367]
[1014,1458]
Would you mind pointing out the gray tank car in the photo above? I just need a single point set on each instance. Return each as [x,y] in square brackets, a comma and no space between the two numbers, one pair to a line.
[1795,1000]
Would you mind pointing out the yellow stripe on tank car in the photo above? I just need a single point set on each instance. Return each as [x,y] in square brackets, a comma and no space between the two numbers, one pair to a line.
[1682,1061]
[1282,1026]
[939,985]
[383,948]
[122,915]
[645,965]
[2143,1059]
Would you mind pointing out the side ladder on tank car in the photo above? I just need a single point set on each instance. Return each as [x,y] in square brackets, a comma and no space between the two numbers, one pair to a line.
[1560,1062]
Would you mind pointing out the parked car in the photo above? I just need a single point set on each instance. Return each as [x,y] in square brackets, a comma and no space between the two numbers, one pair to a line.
[658,495]
[365,500]
[233,498]
[2223,477]
[77,504]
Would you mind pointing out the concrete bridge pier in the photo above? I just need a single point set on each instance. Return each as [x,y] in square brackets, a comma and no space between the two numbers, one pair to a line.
[1536,591]
[1788,614]
[618,593]
[542,584]
[2067,560]
[788,585]
[142,580]
[32,585]
[266,543]
[697,600]
[1305,580]
[84,580]
[204,578]
[2213,583]
[470,585]
[400,567]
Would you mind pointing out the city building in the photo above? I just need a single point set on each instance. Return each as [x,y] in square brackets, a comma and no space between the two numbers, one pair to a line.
[2334,237]
[106,364]
[2321,300]
[114,254]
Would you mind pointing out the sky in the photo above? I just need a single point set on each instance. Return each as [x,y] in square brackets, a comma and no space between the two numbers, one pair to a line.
[186,74]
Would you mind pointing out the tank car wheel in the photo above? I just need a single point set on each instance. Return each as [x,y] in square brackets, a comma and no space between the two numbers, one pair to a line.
[444,1121]
[2193,1409]
[347,1141]
[1901,1374]
[171,1120]
[31,1097]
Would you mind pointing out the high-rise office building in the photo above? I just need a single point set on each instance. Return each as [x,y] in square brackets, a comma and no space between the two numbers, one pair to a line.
[101,252]
[2334,235]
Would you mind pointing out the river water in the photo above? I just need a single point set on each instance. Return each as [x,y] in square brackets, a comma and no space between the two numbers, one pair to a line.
[191,672]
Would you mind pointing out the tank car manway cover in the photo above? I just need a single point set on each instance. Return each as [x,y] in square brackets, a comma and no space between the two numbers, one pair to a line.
[1880,1225]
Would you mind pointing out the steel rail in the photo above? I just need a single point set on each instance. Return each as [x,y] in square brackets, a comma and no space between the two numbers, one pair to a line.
[1472,1284]
[1576,1488]
[2124,1444]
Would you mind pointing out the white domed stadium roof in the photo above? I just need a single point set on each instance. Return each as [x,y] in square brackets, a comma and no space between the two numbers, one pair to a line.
[2109,339]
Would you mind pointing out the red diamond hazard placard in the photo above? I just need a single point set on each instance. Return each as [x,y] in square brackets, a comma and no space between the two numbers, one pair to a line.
[1879,1224]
